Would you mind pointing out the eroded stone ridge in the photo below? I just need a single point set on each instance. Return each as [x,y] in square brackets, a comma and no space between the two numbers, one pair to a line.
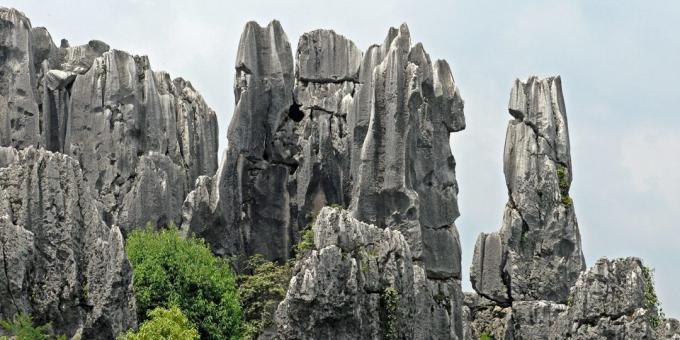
[365,132]
[340,289]
[537,253]
[610,300]
[141,138]
[61,262]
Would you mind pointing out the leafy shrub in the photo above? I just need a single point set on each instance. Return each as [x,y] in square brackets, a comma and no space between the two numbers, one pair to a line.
[389,301]
[564,185]
[306,242]
[261,290]
[485,336]
[652,302]
[162,323]
[172,271]
[336,206]
[21,327]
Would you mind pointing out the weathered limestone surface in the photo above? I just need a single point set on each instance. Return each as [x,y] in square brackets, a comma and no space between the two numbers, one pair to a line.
[62,263]
[540,245]
[324,124]
[141,138]
[365,132]
[610,300]
[530,276]
[247,203]
[338,290]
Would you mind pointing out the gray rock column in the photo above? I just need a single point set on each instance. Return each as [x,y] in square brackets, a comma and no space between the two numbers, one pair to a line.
[540,242]
[19,112]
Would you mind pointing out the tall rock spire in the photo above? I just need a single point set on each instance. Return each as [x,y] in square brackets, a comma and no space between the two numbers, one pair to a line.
[245,207]
[537,253]
[378,129]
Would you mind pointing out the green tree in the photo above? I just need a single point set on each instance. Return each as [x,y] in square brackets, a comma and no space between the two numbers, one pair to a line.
[261,290]
[172,271]
[166,324]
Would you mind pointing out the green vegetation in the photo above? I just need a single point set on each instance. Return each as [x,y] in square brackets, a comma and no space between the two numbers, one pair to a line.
[485,336]
[162,323]
[172,271]
[566,200]
[336,206]
[652,302]
[562,176]
[21,328]
[564,185]
[261,290]
[389,302]
[306,243]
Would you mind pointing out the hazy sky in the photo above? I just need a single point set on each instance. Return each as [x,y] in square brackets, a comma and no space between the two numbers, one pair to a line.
[620,68]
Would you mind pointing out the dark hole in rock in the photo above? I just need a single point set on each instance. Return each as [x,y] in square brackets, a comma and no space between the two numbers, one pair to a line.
[295,113]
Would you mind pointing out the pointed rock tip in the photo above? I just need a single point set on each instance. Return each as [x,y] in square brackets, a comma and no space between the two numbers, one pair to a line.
[403,28]
[252,24]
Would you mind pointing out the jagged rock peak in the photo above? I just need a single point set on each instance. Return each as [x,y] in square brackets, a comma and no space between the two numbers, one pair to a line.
[110,111]
[62,263]
[343,123]
[537,253]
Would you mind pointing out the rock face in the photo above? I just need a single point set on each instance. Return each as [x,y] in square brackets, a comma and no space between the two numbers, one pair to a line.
[365,132]
[358,283]
[141,138]
[62,263]
[537,254]
[610,300]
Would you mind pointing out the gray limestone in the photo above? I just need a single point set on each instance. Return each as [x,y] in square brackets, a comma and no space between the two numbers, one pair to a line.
[140,138]
[338,289]
[366,132]
[247,203]
[62,263]
[488,263]
[93,140]
[610,300]
[540,245]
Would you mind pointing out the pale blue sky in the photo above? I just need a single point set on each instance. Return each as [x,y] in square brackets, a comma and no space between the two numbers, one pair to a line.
[619,62]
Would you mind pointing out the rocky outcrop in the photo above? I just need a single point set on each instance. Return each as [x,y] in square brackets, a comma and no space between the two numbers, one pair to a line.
[61,262]
[529,277]
[140,138]
[357,283]
[613,299]
[369,133]
[537,253]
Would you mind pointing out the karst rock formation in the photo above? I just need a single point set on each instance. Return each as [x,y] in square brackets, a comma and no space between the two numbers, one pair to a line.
[141,138]
[350,145]
[530,278]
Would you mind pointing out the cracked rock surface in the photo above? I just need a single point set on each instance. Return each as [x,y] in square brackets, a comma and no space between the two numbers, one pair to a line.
[368,132]
[530,277]
[61,262]
[338,289]
[141,138]
[537,253]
